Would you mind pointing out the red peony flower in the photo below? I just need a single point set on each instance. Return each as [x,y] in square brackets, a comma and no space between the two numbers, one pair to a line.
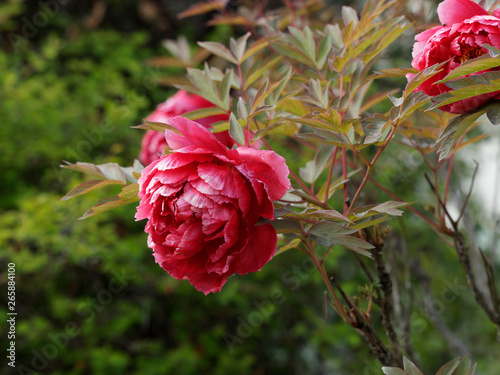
[466,28]
[153,142]
[203,202]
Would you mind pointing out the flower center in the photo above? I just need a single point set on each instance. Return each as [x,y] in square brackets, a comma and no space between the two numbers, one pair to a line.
[469,52]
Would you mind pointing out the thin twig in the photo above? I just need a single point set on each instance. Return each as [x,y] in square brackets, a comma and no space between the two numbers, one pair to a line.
[386,308]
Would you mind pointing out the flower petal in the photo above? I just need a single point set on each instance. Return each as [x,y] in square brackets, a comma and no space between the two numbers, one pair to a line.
[193,134]
[259,250]
[267,167]
[456,11]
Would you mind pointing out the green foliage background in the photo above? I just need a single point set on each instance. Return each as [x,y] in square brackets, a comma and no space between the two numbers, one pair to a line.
[60,89]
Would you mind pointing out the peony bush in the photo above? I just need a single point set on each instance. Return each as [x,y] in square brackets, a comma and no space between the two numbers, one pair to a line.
[219,200]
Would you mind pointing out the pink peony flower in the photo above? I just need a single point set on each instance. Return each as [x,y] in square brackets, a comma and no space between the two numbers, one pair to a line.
[203,202]
[466,28]
[153,142]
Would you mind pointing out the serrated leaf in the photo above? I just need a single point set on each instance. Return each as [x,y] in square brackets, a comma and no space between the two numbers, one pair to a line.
[235,130]
[89,186]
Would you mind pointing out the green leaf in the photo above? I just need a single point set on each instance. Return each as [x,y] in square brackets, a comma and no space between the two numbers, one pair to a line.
[393,371]
[86,168]
[157,126]
[206,86]
[472,66]
[421,77]
[315,167]
[258,73]
[323,50]
[204,112]
[453,131]
[225,89]
[329,233]
[286,226]
[389,208]
[493,112]
[291,245]
[465,93]
[294,53]
[449,367]
[113,171]
[336,34]
[129,192]
[261,133]
[464,367]
[410,367]
[263,92]
[349,15]
[89,186]
[235,130]
[242,109]
[258,45]
[330,215]
[238,46]
[219,50]
[107,205]
[304,41]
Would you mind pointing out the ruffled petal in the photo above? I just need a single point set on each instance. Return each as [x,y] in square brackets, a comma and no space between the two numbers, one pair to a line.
[267,167]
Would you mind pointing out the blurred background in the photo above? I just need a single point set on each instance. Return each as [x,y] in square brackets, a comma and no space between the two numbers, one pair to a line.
[74,76]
